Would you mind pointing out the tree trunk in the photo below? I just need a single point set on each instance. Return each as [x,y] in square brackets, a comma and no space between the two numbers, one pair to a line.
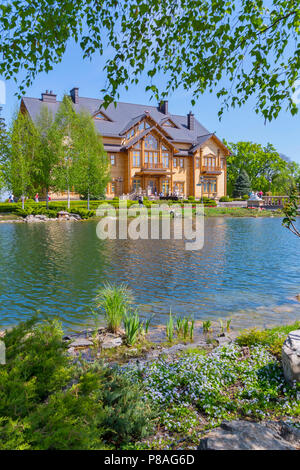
[23,202]
[47,200]
[68,197]
[88,200]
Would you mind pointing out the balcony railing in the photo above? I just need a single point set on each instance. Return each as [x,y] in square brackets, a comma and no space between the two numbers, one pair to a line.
[154,166]
[211,169]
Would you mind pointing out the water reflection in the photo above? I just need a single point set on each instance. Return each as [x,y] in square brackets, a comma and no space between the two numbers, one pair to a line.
[248,267]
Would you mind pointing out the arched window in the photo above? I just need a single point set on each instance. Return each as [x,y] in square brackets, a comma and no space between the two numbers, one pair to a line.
[151,143]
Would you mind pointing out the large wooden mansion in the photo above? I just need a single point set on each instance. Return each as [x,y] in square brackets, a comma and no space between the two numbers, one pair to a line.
[149,148]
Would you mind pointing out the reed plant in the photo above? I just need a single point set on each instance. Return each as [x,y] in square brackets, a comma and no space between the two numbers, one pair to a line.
[170,328]
[133,327]
[207,326]
[113,302]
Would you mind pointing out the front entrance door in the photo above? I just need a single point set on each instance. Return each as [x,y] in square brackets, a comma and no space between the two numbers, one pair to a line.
[153,186]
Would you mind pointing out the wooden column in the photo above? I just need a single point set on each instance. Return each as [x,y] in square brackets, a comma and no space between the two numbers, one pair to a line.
[194,175]
[129,170]
[171,168]
[142,152]
[160,153]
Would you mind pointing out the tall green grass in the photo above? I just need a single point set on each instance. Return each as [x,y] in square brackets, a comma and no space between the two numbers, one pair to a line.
[113,302]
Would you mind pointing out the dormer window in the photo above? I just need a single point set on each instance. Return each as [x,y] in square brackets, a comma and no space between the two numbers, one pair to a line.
[100,117]
[168,123]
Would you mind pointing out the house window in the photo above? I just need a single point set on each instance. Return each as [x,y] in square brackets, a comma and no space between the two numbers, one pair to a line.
[101,117]
[210,186]
[112,160]
[151,157]
[168,123]
[179,188]
[136,158]
[165,159]
[151,143]
[210,162]
[136,184]
[113,188]
[197,162]
[223,164]
[165,186]
[178,162]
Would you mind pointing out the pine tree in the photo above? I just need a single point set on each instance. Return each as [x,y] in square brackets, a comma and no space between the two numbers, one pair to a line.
[91,162]
[242,184]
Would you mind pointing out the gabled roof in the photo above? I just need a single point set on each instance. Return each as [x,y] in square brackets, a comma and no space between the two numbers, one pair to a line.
[204,138]
[142,134]
[123,116]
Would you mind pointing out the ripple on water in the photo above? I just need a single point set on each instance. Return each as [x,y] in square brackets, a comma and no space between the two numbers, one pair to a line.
[248,268]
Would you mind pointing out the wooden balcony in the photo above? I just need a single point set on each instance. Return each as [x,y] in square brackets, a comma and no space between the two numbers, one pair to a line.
[211,170]
[154,168]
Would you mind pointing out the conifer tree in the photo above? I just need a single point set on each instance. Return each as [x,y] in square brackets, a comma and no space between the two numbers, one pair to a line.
[242,184]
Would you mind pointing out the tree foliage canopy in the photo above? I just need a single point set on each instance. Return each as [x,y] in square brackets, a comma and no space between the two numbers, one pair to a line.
[267,170]
[238,48]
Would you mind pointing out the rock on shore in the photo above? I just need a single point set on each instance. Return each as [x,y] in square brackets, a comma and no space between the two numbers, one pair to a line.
[247,435]
[291,357]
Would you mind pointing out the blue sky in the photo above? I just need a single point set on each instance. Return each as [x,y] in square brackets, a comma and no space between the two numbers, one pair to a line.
[240,124]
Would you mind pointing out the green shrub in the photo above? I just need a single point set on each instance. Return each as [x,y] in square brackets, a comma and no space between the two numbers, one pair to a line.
[272,338]
[245,197]
[225,199]
[84,213]
[49,403]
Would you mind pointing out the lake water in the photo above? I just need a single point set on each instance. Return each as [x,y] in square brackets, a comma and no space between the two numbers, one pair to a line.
[249,269]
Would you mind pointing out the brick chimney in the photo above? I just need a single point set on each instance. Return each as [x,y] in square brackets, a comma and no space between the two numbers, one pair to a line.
[74,95]
[191,121]
[163,107]
[48,97]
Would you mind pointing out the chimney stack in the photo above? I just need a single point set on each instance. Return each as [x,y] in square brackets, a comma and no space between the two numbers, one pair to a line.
[191,121]
[74,95]
[48,97]
[163,107]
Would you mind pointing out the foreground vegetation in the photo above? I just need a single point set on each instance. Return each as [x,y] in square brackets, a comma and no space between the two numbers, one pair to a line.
[49,402]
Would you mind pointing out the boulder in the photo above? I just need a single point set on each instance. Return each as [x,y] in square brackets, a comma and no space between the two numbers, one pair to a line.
[81,343]
[33,218]
[62,215]
[247,435]
[291,357]
[75,216]
[111,341]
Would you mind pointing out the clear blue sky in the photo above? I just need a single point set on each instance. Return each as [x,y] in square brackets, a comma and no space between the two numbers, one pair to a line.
[241,124]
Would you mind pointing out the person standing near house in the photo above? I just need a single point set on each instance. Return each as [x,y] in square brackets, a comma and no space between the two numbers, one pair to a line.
[36,197]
